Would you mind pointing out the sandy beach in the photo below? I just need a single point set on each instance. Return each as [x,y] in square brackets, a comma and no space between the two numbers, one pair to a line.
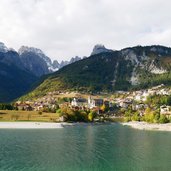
[31,125]
[148,126]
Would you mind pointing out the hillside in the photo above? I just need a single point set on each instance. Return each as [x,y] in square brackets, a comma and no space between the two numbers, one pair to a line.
[130,68]
[14,82]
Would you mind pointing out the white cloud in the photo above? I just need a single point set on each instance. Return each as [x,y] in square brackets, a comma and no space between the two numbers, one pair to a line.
[65,28]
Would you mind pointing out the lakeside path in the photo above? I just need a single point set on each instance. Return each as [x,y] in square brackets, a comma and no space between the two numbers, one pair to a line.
[148,126]
[31,125]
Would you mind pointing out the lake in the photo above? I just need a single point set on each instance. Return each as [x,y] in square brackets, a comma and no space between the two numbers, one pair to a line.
[107,147]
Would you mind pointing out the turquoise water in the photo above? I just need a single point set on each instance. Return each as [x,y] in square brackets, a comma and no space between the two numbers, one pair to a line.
[85,148]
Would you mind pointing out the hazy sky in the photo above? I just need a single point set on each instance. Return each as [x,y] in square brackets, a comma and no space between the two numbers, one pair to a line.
[66,28]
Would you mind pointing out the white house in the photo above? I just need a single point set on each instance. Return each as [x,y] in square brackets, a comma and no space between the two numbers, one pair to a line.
[79,102]
[165,110]
[94,102]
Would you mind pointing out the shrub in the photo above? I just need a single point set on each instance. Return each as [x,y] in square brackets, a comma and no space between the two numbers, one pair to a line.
[91,116]
[127,119]
[40,112]
[163,119]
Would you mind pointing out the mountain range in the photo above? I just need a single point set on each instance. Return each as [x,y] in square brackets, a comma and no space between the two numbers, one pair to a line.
[110,70]
[38,63]
[19,70]
[29,71]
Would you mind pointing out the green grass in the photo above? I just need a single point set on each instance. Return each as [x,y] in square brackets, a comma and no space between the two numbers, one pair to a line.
[11,115]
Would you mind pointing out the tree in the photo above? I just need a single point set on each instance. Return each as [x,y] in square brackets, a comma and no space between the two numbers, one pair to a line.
[81,116]
[156,116]
[149,117]
[148,110]
[104,108]
[136,117]
[128,113]
[91,116]
[163,119]
[6,106]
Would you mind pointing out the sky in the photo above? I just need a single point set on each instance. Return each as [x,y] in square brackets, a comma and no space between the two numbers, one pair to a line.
[66,28]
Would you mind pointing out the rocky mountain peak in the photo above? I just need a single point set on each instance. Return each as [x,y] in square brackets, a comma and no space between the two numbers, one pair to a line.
[24,49]
[35,60]
[99,48]
[74,59]
[3,48]
[36,55]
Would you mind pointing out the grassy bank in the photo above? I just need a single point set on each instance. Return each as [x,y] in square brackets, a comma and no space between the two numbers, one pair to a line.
[12,115]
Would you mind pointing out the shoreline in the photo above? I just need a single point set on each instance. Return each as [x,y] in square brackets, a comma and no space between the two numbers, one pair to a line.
[32,125]
[148,126]
[52,125]
[41,125]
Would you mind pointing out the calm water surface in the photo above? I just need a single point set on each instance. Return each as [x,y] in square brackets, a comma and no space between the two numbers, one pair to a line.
[85,148]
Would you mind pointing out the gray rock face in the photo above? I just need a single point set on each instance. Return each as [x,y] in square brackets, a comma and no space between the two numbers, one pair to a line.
[38,63]
[74,59]
[34,63]
[55,64]
[32,60]
[11,58]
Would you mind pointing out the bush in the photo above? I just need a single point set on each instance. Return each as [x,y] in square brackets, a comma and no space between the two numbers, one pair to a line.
[127,119]
[163,119]
[40,112]
[157,117]
[58,111]
[81,116]
[91,116]
[6,106]
[149,118]
[136,117]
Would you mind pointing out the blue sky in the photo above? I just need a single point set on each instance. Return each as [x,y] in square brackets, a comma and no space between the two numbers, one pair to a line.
[66,28]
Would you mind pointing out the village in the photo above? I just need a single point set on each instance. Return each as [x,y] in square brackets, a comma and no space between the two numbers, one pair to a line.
[116,105]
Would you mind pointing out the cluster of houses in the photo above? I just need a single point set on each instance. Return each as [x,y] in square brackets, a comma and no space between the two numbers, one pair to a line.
[51,102]
[38,105]
[135,100]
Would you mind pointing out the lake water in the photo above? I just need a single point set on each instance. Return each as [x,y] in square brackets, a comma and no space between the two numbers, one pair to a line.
[85,148]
